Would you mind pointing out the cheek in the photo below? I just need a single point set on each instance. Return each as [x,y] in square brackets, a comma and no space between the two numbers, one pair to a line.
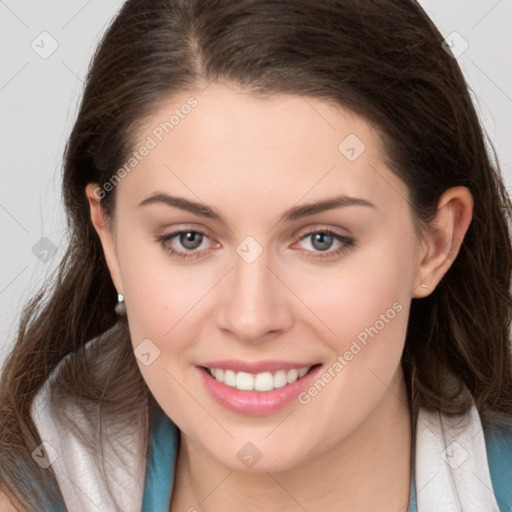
[166,310]
[159,292]
[162,312]
[365,292]
[369,318]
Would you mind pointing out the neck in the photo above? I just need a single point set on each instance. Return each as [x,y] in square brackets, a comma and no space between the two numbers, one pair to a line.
[367,470]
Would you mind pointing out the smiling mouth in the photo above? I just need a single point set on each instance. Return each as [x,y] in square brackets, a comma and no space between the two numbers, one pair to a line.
[264,381]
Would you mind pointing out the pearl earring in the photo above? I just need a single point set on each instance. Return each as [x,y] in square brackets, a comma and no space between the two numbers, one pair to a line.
[120,307]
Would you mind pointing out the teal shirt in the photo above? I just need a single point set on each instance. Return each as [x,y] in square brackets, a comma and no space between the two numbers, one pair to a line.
[499,454]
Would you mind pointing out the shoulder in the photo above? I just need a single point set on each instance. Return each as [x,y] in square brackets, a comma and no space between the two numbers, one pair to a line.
[498,443]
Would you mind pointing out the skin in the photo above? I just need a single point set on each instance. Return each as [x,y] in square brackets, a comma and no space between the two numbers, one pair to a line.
[9,503]
[251,158]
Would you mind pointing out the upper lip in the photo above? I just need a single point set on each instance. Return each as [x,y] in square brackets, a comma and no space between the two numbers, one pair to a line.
[255,366]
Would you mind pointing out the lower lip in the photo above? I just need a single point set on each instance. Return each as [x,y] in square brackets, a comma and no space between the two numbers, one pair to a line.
[256,403]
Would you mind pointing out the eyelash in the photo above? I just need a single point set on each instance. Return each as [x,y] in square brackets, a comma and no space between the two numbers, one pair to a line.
[347,243]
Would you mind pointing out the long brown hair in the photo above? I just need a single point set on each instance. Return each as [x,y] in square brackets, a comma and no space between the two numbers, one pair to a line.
[384,60]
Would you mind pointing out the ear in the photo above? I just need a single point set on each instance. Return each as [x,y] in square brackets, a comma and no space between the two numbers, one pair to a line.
[441,241]
[106,232]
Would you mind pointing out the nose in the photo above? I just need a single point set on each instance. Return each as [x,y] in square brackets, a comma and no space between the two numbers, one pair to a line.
[255,304]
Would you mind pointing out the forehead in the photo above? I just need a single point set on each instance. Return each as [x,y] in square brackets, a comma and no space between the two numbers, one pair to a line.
[223,144]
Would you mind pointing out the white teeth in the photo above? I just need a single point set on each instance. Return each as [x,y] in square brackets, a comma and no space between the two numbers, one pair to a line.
[244,381]
[280,379]
[292,376]
[265,381]
[302,372]
[229,378]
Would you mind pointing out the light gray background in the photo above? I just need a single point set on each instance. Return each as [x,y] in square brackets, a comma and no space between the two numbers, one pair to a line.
[39,98]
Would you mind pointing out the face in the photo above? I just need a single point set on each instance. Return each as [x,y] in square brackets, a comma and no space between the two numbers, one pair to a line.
[231,273]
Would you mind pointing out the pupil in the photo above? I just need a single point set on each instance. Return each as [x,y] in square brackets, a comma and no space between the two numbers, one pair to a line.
[191,240]
[322,237]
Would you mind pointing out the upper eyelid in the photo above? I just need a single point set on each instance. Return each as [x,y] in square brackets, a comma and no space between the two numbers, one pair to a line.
[296,232]
[322,228]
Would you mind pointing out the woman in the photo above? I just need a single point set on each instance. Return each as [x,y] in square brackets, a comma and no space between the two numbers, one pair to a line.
[293,206]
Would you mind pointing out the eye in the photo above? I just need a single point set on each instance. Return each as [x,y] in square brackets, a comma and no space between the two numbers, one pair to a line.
[191,243]
[321,241]
[190,240]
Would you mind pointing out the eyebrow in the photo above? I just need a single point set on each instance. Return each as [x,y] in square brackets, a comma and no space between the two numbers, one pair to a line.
[294,213]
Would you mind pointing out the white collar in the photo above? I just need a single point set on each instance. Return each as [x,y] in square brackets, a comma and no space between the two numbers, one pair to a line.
[75,465]
[452,471]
